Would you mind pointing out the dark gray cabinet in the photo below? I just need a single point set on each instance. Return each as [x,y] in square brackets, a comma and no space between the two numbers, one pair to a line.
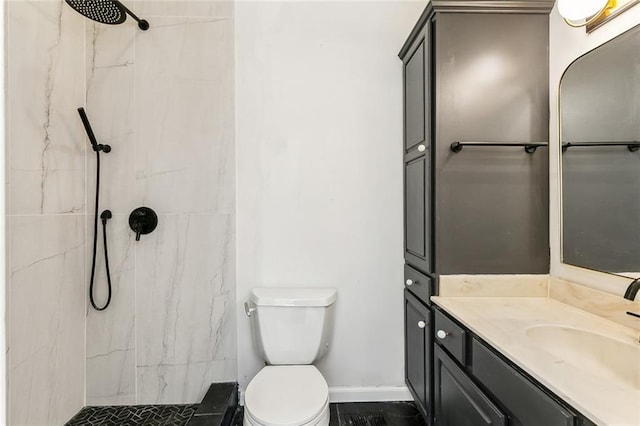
[451,336]
[417,337]
[417,155]
[417,211]
[477,72]
[415,75]
[458,400]
[484,388]
[526,403]
[473,71]
[421,285]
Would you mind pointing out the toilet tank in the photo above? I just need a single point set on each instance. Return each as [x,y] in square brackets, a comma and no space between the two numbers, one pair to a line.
[292,326]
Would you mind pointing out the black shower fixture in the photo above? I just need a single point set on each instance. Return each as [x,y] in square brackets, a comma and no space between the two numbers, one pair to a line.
[143,220]
[111,12]
[105,216]
[97,147]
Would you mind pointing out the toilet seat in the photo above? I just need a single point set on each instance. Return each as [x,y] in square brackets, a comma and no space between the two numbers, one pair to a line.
[287,395]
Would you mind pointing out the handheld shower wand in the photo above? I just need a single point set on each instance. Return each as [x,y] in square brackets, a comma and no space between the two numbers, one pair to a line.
[92,138]
[111,12]
[106,215]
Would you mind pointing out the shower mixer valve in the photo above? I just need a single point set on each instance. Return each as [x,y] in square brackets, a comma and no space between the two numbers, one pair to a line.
[143,220]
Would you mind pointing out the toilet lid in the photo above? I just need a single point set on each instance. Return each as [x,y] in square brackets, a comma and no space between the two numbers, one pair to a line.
[286,395]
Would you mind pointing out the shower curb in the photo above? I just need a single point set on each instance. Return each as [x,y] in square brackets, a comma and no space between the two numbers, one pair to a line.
[218,406]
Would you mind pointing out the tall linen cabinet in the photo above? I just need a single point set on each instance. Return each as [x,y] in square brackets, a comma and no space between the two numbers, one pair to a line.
[474,72]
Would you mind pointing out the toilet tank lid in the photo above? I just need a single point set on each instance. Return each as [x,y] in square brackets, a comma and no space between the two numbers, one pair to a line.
[280,296]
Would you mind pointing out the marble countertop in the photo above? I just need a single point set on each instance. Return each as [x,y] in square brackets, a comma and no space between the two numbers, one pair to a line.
[586,383]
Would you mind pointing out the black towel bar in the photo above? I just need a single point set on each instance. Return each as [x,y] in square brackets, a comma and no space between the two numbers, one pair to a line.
[529,147]
[632,146]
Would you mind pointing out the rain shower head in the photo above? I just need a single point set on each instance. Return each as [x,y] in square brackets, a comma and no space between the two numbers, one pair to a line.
[106,11]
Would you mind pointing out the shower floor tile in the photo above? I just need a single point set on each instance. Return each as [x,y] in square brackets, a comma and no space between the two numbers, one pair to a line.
[134,415]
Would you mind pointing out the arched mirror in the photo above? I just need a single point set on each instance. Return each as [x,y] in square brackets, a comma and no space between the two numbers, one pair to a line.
[600,158]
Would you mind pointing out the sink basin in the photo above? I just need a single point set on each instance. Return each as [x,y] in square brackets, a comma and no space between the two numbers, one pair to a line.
[593,353]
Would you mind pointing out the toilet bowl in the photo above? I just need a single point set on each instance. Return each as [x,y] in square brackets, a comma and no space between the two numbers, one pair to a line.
[291,329]
[295,395]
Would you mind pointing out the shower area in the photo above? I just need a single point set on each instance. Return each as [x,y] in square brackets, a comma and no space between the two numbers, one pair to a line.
[163,100]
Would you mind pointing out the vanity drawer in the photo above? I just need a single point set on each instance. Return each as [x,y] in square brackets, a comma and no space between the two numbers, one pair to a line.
[450,336]
[457,399]
[525,402]
[419,284]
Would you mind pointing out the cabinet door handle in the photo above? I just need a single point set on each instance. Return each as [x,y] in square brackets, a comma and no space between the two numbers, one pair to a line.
[442,334]
[411,282]
[421,148]
[422,324]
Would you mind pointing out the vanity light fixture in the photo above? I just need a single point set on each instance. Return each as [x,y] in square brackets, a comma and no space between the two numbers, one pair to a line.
[592,13]
[578,13]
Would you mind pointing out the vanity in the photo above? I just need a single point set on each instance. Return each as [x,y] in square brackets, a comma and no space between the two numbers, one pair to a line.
[532,361]
[490,337]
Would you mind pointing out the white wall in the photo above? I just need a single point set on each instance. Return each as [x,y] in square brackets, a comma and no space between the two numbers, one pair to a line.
[319,160]
[565,45]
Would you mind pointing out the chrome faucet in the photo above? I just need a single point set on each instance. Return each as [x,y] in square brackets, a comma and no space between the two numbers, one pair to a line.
[632,290]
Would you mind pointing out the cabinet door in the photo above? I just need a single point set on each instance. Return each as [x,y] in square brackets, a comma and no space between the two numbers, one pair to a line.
[458,401]
[526,403]
[415,79]
[417,155]
[417,338]
[417,211]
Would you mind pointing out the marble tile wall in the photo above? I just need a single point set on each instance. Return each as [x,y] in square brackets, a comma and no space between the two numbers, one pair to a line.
[46,212]
[164,100]
[110,340]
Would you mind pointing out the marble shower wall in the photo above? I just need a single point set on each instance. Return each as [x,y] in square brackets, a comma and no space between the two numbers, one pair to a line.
[46,265]
[164,100]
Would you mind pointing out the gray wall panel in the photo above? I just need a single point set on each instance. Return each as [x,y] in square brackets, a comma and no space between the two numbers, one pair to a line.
[491,85]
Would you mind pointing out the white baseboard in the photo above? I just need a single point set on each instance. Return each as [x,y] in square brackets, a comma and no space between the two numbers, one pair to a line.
[362,394]
[369,394]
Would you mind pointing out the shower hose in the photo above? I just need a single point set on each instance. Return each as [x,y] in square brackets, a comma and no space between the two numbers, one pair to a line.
[104,217]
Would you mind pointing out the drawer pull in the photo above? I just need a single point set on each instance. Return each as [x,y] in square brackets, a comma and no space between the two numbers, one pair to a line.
[411,282]
[422,324]
[442,334]
[421,148]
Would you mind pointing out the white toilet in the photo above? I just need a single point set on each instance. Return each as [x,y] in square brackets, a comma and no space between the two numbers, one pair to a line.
[291,329]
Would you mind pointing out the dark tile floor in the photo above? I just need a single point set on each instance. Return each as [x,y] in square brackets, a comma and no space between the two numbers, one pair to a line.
[375,414]
[368,414]
[134,415]
[346,414]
